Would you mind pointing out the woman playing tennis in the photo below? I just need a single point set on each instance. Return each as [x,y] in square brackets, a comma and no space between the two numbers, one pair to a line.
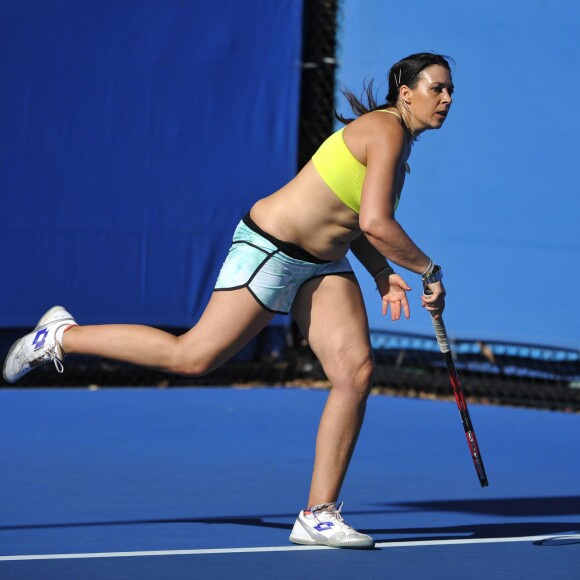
[289,255]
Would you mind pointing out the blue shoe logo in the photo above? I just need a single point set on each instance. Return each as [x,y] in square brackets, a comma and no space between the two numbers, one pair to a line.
[40,338]
[323,526]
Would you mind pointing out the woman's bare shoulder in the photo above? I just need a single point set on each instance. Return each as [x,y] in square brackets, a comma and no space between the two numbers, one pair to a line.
[376,130]
[380,124]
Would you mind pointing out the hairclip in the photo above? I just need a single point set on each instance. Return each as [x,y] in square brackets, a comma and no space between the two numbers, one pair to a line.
[398,82]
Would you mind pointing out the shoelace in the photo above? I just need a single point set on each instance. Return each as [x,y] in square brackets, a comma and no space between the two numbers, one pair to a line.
[334,513]
[53,353]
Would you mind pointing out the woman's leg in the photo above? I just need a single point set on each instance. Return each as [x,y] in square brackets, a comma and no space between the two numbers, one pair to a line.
[331,314]
[229,321]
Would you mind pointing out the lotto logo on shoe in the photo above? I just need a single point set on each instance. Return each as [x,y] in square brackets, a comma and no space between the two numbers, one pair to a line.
[323,526]
[40,338]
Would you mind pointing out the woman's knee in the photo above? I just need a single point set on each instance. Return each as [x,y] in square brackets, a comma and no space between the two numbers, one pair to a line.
[353,375]
[191,362]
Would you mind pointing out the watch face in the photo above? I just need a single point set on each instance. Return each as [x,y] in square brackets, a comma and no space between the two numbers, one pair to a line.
[435,276]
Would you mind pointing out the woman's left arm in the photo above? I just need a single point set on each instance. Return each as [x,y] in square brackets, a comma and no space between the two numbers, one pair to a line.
[368,255]
[390,285]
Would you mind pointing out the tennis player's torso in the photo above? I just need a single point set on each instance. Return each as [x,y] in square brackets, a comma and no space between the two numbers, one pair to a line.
[307,212]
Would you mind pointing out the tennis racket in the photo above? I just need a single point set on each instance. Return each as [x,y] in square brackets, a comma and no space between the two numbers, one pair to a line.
[443,341]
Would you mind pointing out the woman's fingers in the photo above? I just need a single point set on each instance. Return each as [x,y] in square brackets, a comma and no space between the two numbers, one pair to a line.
[406,308]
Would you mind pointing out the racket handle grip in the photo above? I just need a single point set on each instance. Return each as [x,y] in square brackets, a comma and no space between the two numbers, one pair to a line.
[440,334]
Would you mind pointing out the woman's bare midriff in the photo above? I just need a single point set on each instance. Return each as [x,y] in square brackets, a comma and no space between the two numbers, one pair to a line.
[308,213]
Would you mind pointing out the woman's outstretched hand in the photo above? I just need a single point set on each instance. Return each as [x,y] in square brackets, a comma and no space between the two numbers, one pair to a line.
[393,290]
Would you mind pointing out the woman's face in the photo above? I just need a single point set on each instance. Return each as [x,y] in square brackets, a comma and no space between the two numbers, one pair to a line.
[430,100]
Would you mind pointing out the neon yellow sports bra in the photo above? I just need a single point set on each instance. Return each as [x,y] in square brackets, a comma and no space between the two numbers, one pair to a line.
[341,170]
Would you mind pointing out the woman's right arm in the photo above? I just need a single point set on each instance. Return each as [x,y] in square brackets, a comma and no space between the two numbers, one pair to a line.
[385,149]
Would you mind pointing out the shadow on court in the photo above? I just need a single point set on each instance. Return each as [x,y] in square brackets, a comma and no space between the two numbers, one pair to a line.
[477,531]
[520,507]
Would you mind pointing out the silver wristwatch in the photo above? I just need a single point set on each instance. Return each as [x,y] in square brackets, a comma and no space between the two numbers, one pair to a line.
[434,275]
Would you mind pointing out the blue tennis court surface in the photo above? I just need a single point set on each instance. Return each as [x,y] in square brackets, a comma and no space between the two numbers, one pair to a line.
[206,483]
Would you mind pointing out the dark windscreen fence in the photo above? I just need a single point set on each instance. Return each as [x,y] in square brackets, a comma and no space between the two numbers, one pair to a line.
[318,73]
[165,255]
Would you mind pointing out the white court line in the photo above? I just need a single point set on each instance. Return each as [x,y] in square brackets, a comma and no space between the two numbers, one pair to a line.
[284,548]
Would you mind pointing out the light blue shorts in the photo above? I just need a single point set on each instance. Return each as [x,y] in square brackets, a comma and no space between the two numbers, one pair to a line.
[271,275]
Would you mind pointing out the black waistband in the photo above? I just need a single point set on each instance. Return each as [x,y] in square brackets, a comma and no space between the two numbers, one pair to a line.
[292,250]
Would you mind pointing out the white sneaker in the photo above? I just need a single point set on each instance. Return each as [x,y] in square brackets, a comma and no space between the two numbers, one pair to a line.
[40,346]
[322,525]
